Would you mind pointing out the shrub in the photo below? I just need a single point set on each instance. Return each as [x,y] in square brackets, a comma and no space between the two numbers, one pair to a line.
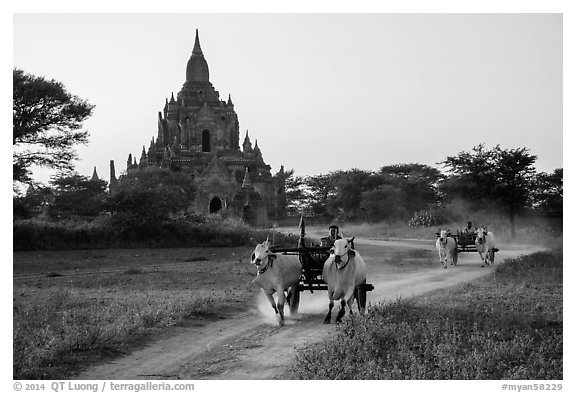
[212,231]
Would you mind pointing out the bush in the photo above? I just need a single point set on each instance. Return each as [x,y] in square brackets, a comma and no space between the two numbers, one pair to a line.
[189,231]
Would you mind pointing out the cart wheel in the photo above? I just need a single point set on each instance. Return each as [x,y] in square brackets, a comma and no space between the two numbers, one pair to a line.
[360,295]
[294,301]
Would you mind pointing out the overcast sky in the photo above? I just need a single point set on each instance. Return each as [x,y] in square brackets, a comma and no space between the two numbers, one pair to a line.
[320,92]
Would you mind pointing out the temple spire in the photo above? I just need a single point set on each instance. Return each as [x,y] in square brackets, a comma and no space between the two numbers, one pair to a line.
[113,180]
[197,67]
[197,50]
[95,175]
[247,145]
[246,182]
[143,158]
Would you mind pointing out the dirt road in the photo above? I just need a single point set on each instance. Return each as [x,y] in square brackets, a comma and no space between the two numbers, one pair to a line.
[252,346]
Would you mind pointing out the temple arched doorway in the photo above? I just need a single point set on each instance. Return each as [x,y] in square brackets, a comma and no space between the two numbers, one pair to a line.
[215,205]
[248,215]
[206,141]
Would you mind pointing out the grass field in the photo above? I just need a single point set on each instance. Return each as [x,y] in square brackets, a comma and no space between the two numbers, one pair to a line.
[507,326]
[76,308]
[73,308]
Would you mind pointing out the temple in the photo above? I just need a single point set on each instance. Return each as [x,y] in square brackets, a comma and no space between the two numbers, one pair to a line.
[199,135]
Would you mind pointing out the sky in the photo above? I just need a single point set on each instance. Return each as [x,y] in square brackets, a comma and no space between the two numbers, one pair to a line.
[320,92]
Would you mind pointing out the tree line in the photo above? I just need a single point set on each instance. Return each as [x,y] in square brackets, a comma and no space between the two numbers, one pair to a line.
[485,178]
[47,124]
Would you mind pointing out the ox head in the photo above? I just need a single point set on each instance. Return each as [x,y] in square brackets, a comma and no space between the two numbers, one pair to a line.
[342,251]
[261,253]
[443,236]
[481,234]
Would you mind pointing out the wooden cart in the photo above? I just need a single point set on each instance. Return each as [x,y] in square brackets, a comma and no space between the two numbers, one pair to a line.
[312,257]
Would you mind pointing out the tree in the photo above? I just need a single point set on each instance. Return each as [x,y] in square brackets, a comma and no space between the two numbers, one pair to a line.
[47,122]
[413,171]
[472,176]
[150,196]
[499,177]
[296,198]
[321,191]
[514,180]
[33,202]
[75,194]
[418,183]
[547,193]
[382,203]
[350,186]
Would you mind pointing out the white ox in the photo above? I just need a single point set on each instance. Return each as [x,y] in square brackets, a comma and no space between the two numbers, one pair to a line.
[276,273]
[486,245]
[343,271]
[446,246]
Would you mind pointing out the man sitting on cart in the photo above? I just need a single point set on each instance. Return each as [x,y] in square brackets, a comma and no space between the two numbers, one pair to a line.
[333,235]
[468,228]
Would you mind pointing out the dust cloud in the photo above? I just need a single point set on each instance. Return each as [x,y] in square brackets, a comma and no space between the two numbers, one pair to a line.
[310,304]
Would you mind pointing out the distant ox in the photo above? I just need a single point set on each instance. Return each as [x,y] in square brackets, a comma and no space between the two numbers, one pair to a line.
[486,245]
[446,246]
[276,273]
[343,271]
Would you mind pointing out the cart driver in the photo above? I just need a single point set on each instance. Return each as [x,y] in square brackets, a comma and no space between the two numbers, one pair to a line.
[333,235]
[468,228]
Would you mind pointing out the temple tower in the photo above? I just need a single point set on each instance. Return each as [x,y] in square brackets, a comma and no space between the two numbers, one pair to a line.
[199,134]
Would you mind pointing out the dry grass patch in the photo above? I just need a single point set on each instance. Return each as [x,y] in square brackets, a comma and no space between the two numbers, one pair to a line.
[65,322]
[507,326]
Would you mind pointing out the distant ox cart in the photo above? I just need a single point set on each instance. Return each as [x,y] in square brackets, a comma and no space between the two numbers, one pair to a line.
[475,240]
[464,240]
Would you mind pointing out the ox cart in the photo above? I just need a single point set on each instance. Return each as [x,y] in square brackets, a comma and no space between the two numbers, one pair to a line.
[464,240]
[312,257]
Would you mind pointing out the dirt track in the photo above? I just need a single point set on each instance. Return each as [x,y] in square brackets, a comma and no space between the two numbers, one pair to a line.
[252,346]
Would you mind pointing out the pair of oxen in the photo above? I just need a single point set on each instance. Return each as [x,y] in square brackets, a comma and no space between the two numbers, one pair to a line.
[448,251]
[343,271]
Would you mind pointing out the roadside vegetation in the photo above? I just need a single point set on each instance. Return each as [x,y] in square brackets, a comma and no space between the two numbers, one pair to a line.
[506,326]
[108,232]
[75,308]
